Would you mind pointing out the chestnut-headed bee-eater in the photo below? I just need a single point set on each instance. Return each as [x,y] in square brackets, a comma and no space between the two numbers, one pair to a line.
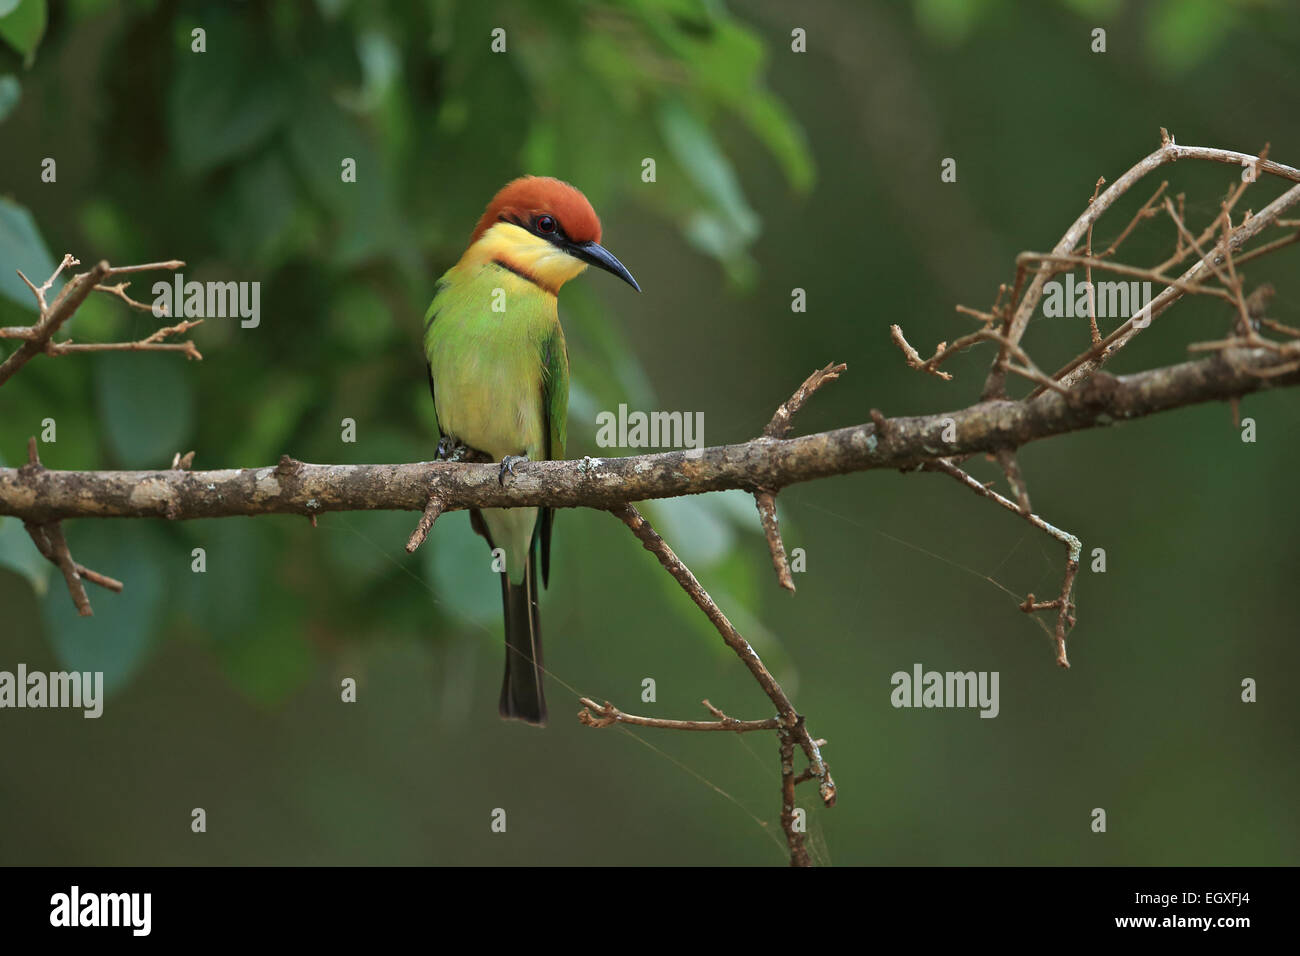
[499,374]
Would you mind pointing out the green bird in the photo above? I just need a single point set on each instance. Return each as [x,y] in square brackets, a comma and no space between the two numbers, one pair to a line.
[499,375]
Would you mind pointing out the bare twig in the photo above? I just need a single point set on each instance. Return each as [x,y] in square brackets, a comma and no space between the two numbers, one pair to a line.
[1011,468]
[431,511]
[1023,307]
[1082,366]
[119,290]
[1063,604]
[37,338]
[783,418]
[171,264]
[1087,272]
[1146,212]
[791,724]
[765,500]
[50,542]
[794,838]
[913,357]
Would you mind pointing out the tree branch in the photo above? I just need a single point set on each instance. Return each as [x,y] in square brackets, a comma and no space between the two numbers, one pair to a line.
[297,488]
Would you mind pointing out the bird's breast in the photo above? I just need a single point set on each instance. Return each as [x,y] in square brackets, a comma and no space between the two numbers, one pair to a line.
[485,357]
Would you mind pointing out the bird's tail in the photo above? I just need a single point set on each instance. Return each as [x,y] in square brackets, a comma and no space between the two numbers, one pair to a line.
[521,690]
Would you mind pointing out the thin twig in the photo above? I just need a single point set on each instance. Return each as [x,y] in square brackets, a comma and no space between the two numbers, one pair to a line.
[1063,605]
[765,500]
[53,546]
[793,836]
[606,715]
[1087,272]
[783,418]
[430,515]
[119,290]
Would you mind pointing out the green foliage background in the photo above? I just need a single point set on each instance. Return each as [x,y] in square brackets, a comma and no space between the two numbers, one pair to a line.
[775,170]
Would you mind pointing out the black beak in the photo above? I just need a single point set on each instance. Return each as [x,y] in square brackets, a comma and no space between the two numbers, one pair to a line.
[600,257]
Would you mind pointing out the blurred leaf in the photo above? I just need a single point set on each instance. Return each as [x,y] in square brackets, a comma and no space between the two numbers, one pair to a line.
[366,544]
[19,553]
[23,26]
[10,92]
[279,408]
[704,162]
[1094,8]
[330,9]
[460,565]
[606,370]
[21,248]
[108,226]
[948,21]
[772,123]
[1182,33]
[695,528]
[365,222]
[321,136]
[360,319]
[222,598]
[146,406]
[381,62]
[739,507]
[728,228]
[57,390]
[267,657]
[257,208]
[228,100]
[116,639]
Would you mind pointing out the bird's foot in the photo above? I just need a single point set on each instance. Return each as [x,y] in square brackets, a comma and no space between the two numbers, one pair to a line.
[508,465]
[450,449]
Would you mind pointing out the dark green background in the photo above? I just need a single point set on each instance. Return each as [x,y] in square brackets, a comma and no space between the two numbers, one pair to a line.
[776,170]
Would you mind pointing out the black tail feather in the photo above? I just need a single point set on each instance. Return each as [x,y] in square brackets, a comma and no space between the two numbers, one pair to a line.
[521,690]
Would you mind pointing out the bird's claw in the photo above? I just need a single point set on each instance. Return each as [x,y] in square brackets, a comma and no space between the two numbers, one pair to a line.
[449,449]
[508,465]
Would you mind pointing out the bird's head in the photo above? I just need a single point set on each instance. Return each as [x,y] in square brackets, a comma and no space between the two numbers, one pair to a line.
[545,230]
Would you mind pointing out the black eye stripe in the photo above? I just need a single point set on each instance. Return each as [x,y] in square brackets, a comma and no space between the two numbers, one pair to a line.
[554,234]
[534,225]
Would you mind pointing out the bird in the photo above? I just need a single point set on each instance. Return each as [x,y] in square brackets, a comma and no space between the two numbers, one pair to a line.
[499,376]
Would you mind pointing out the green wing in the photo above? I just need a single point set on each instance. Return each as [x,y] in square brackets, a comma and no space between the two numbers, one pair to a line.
[555,403]
[555,393]
[434,307]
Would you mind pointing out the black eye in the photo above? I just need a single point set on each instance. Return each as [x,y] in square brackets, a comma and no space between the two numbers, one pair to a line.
[545,224]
